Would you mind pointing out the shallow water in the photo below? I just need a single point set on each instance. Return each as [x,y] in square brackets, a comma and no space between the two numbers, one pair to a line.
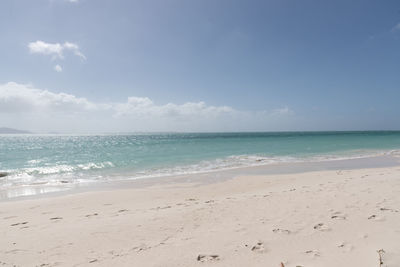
[54,160]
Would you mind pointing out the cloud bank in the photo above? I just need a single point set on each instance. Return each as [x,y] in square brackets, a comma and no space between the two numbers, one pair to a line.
[26,107]
[20,98]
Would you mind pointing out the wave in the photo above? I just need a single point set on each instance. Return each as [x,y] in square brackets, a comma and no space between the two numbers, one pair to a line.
[51,175]
[64,174]
[243,161]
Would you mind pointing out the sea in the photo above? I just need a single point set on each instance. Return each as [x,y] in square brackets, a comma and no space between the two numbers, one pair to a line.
[54,161]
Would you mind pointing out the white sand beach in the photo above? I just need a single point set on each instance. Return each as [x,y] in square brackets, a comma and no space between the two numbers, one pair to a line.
[320,218]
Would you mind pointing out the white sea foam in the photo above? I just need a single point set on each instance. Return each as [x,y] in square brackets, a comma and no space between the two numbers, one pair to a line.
[52,175]
[34,161]
[66,175]
[91,166]
[242,161]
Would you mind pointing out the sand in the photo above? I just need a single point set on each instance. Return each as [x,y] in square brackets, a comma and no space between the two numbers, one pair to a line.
[320,218]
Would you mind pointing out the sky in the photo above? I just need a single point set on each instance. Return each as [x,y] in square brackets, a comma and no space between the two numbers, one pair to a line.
[87,66]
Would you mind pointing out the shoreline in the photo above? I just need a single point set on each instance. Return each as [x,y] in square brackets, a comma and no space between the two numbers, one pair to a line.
[44,164]
[329,217]
[20,193]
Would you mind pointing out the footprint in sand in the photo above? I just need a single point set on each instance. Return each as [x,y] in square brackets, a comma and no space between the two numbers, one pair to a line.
[162,208]
[338,215]
[140,248]
[321,227]
[345,246]
[281,231]
[55,218]
[21,223]
[376,218]
[314,253]
[116,254]
[205,258]
[259,247]
[123,210]
[91,215]
[388,209]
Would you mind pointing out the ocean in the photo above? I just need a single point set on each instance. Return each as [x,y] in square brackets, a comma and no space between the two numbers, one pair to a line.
[33,161]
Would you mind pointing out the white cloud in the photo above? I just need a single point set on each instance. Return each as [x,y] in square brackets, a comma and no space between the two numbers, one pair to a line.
[17,98]
[43,110]
[282,111]
[56,50]
[75,49]
[144,106]
[40,47]
[58,68]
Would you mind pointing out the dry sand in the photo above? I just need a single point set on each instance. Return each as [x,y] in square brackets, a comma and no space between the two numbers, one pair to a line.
[323,218]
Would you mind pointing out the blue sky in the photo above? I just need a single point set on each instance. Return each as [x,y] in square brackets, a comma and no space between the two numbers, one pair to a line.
[199,65]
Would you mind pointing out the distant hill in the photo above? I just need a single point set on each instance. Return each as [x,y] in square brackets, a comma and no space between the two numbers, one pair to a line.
[4,130]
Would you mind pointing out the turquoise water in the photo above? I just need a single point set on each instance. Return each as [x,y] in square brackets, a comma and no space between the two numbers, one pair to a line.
[33,160]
